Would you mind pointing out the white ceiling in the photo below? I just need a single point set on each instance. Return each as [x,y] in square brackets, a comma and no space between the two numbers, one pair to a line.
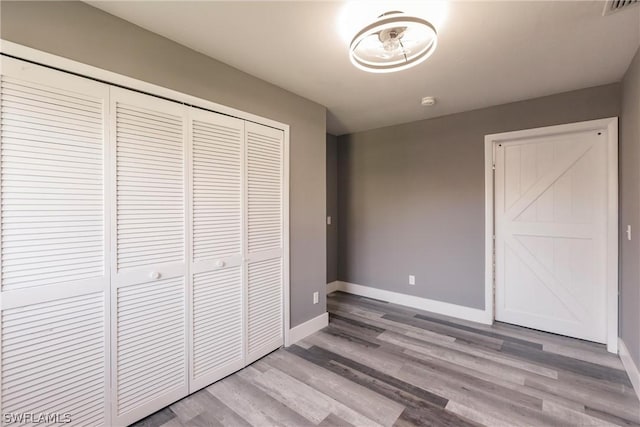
[489,53]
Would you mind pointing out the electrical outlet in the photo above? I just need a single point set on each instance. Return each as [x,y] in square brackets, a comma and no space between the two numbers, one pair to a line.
[628,232]
[315,297]
[412,279]
[329,220]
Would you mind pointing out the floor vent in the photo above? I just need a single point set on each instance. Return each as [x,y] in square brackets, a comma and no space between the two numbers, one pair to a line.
[613,6]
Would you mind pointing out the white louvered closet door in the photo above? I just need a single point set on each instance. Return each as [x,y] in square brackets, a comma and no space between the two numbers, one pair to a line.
[149,287]
[54,297]
[217,144]
[265,239]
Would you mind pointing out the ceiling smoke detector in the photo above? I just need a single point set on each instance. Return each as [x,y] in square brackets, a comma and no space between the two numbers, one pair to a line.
[394,42]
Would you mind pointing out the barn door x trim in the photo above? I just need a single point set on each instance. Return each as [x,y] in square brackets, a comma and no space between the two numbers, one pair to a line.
[611,126]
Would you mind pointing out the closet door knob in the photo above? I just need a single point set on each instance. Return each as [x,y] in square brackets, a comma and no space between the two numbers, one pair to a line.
[154,275]
[219,263]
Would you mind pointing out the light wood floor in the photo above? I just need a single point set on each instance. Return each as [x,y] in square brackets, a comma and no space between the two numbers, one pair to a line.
[383,364]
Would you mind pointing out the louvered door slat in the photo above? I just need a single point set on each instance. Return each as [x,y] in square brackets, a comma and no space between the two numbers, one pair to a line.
[54,331]
[264,204]
[217,238]
[23,194]
[138,186]
[265,304]
[218,327]
[146,319]
[217,179]
[150,288]
[264,187]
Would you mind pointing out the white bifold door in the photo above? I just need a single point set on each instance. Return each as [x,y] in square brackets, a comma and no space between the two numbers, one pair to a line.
[551,201]
[218,236]
[55,258]
[149,281]
[264,251]
[142,250]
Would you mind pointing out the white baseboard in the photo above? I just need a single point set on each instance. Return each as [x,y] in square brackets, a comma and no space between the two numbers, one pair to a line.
[439,307]
[629,366]
[333,286]
[307,328]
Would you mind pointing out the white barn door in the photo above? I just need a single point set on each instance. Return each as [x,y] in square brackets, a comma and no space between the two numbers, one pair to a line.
[217,293]
[551,204]
[149,287]
[54,298]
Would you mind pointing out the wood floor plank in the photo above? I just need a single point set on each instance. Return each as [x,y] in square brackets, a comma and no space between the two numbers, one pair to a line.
[362,400]
[503,381]
[332,420]
[324,358]
[193,405]
[205,419]
[255,406]
[333,318]
[290,392]
[604,359]
[480,331]
[354,351]
[572,416]
[479,416]
[592,398]
[173,423]
[607,416]
[494,356]
[454,356]
[278,380]
[581,367]
[460,335]
[442,418]
[400,328]
[217,412]
[497,407]
[338,332]
[157,419]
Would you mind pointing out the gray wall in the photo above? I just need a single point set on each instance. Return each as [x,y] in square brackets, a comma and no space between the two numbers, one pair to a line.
[85,34]
[332,208]
[630,210]
[411,197]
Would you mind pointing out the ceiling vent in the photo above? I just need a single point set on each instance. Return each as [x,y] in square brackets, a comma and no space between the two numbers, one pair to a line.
[613,6]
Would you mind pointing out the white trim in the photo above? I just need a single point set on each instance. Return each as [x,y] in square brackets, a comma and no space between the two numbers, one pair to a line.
[489,164]
[307,328]
[629,366]
[285,241]
[439,307]
[110,77]
[612,237]
[333,286]
[611,125]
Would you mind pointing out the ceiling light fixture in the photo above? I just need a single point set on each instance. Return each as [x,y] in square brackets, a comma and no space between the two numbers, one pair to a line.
[394,42]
